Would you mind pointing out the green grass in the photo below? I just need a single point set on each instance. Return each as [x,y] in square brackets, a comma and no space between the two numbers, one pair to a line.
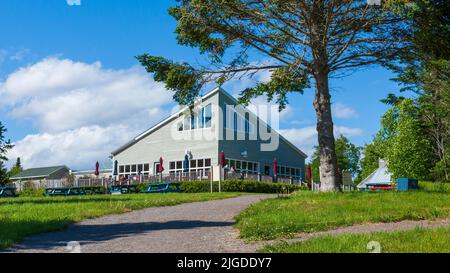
[413,241]
[309,212]
[24,216]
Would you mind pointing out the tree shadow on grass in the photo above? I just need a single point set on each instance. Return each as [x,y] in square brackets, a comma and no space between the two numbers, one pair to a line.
[86,234]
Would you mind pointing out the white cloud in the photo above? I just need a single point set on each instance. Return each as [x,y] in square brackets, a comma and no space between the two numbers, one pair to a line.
[306,138]
[60,95]
[343,111]
[73,2]
[82,111]
[76,148]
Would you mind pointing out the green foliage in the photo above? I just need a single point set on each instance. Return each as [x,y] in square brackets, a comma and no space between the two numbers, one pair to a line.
[5,145]
[238,186]
[434,186]
[307,211]
[283,81]
[407,152]
[425,70]
[181,78]
[348,157]
[16,169]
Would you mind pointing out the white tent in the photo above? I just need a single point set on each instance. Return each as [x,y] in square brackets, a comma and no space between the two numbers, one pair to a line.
[379,177]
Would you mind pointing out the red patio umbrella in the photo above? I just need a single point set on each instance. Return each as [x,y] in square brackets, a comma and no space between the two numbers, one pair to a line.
[160,168]
[308,172]
[222,159]
[97,166]
[275,167]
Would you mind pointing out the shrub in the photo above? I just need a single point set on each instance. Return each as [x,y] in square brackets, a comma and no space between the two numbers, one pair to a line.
[434,186]
[238,186]
[32,192]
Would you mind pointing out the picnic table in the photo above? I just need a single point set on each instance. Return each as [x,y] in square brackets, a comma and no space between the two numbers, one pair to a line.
[165,187]
[94,190]
[64,192]
[7,192]
[123,189]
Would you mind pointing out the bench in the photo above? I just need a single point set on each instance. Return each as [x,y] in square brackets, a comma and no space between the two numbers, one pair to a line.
[7,192]
[123,189]
[94,190]
[163,188]
[64,192]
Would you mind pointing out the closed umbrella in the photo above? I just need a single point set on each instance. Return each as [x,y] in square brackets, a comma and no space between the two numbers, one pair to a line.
[97,166]
[115,172]
[308,173]
[186,164]
[161,168]
[222,159]
[275,167]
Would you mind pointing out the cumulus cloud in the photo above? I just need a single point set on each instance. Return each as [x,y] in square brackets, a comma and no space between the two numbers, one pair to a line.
[60,95]
[75,148]
[82,110]
[306,138]
[343,111]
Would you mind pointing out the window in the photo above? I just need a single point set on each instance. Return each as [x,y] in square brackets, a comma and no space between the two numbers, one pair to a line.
[243,166]
[208,162]
[186,123]
[134,169]
[208,116]
[200,166]
[201,118]
[198,120]
[194,121]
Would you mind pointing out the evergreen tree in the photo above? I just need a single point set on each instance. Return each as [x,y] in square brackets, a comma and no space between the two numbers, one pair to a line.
[5,145]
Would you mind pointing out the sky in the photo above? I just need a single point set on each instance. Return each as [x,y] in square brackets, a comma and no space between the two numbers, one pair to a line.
[72,91]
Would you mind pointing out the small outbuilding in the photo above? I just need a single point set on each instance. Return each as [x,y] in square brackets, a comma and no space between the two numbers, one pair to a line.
[381,177]
[40,177]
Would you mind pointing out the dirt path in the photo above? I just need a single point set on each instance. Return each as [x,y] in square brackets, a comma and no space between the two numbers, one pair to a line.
[193,227]
[367,228]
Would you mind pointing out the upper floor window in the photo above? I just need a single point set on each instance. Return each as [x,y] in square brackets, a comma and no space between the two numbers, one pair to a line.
[197,120]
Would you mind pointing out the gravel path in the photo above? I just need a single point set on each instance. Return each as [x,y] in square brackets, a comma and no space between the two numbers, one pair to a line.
[194,227]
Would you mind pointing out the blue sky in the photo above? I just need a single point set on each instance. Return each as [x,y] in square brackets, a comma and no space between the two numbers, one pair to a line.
[89,51]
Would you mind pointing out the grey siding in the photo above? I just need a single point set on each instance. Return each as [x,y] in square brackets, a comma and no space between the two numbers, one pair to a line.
[286,155]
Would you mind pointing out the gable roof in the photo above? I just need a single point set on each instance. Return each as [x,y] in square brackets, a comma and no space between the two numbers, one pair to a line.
[38,172]
[379,176]
[160,124]
[177,114]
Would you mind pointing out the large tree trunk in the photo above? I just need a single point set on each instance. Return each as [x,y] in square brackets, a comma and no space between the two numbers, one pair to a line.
[329,173]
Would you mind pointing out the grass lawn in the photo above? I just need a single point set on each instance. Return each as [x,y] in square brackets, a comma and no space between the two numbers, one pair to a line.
[24,216]
[306,211]
[413,241]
